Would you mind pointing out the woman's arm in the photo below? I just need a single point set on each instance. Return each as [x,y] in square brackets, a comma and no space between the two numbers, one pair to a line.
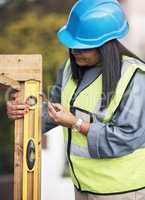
[126,132]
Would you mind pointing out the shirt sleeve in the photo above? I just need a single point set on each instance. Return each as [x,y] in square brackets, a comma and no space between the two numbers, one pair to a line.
[54,96]
[126,131]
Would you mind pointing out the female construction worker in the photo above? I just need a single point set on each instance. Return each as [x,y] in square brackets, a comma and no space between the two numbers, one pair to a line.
[99,99]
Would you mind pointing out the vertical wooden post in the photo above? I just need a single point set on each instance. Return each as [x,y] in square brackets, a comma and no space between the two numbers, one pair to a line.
[24,73]
[18,151]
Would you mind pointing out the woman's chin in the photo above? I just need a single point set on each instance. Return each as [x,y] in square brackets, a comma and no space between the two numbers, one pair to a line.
[81,63]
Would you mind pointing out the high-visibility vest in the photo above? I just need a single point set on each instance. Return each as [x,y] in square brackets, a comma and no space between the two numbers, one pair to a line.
[97,175]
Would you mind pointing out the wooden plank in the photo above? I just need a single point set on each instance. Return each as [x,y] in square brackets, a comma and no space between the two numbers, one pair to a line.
[21,67]
[8,82]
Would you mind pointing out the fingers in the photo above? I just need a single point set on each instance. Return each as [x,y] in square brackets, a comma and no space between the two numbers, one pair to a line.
[57,113]
[15,110]
[51,109]
[14,117]
[53,113]
[17,107]
[58,107]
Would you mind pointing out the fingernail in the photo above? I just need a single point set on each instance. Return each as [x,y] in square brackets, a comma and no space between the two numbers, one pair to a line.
[26,110]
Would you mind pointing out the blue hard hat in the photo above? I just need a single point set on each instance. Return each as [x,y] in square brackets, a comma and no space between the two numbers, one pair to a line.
[91,23]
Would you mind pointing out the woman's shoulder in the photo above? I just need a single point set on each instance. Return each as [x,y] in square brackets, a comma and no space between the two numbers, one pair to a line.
[134,64]
[130,61]
[137,69]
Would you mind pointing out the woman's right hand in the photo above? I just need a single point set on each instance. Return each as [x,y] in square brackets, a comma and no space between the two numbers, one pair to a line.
[16,110]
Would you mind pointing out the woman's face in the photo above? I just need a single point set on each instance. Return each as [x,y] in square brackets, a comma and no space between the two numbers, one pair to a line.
[86,57]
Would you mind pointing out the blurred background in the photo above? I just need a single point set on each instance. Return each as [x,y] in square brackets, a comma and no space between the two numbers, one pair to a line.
[29,27]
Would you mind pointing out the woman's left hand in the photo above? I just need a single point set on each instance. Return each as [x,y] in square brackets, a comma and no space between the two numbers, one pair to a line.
[60,116]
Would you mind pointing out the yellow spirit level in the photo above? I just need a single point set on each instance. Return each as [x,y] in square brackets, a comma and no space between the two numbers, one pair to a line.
[31,142]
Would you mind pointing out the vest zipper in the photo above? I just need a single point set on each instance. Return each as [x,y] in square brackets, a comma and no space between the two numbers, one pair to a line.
[70,133]
[70,138]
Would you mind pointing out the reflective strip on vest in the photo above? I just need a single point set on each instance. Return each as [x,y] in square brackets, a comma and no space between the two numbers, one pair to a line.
[102,176]
[77,150]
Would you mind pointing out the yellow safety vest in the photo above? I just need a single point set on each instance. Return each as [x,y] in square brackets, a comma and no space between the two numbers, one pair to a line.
[108,175]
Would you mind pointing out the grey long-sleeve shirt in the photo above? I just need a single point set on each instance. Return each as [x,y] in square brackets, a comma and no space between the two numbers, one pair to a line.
[124,133]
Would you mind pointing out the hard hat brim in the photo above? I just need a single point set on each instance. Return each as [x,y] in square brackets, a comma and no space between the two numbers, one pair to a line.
[68,40]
